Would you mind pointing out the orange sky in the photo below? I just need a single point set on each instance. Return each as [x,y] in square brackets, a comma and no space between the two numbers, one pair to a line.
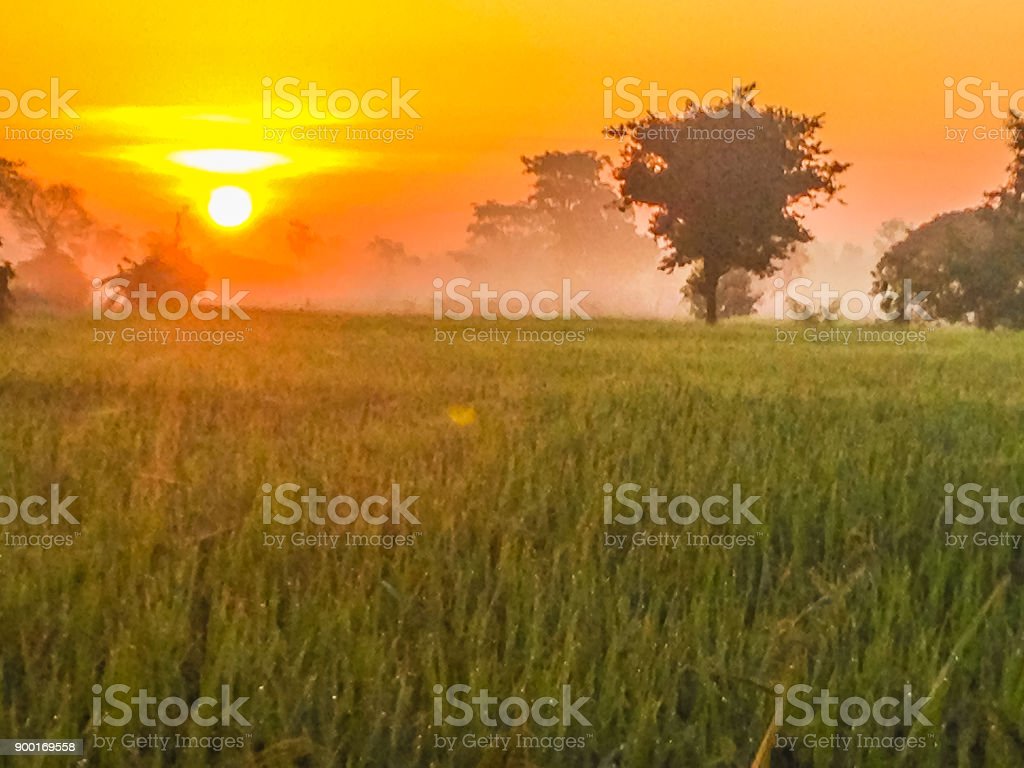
[496,80]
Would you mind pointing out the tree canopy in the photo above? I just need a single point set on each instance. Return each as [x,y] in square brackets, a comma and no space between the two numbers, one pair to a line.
[970,262]
[727,184]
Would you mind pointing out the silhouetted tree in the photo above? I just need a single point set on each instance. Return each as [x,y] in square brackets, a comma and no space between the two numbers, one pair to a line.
[725,184]
[970,262]
[1015,187]
[393,275]
[391,254]
[48,219]
[495,222]
[168,266]
[6,298]
[580,209]
[301,238]
[571,225]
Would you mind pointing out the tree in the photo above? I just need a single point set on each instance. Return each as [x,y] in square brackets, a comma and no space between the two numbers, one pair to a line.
[726,183]
[48,219]
[970,265]
[543,231]
[391,254]
[970,262]
[578,208]
[393,273]
[1015,187]
[6,275]
[168,266]
[6,299]
[571,225]
[924,258]
[301,238]
[735,294]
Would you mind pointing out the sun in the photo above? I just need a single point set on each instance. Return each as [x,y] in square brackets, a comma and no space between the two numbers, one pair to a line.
[230,206]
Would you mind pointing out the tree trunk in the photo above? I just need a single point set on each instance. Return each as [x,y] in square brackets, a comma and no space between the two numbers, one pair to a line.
[710,300]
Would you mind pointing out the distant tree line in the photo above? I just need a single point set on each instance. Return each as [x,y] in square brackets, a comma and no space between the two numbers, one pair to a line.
[727,211]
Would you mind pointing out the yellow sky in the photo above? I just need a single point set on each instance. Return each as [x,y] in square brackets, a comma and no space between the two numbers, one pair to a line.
[496,80]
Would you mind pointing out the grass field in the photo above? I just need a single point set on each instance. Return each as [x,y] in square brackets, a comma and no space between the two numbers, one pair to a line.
[169,585]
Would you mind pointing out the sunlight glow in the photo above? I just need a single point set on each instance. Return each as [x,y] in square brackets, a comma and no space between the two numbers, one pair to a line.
[230,206]
[228,160]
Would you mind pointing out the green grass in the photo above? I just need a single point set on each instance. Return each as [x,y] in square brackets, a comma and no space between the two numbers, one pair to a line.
[169,588]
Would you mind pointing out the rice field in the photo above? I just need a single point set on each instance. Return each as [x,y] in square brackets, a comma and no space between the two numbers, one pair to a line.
[510,579]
